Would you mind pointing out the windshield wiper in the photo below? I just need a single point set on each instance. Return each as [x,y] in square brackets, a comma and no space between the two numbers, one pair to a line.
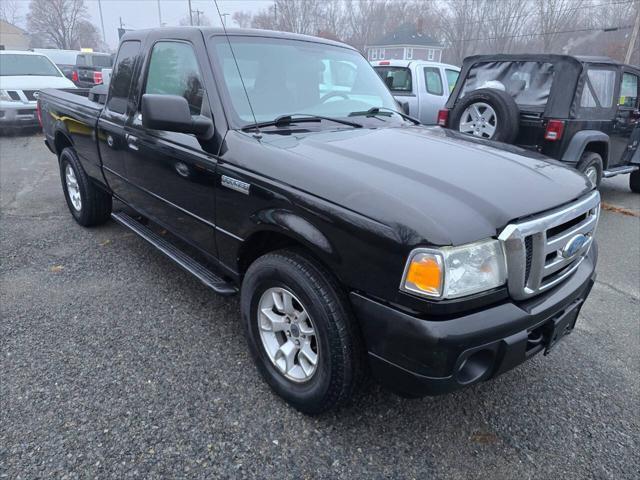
[286,120]
[373,111]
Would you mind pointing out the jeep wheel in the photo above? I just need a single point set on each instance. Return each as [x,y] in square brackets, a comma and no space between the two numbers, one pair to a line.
[634,181]
[591,165]
[300,331]
[88,204]
[487,113]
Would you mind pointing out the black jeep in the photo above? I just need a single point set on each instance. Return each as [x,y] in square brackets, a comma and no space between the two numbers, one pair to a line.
[581,110]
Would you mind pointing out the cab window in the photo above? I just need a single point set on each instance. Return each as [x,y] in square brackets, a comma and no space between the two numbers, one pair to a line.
[173,70]
[452,78]
[397,79]
[598,89]
[120,84]
[433,80]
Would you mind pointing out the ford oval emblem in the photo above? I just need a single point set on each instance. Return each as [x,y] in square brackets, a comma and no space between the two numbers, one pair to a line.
[574,245]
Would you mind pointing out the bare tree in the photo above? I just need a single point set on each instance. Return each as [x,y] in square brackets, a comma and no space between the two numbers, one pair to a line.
[56,21]
[554,16]
[242,19]
[462,27]
[10,11]
[199,19]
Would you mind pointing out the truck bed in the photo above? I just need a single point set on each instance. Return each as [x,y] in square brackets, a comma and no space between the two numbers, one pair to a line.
[76,99]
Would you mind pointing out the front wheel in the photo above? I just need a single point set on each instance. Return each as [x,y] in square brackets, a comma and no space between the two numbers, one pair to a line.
[300,331]
[89,205]
[634,181]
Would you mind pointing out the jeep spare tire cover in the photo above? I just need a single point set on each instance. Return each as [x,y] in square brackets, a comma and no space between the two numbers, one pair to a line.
[487,113]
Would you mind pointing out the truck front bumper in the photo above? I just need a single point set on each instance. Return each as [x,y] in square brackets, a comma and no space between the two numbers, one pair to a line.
[18,114]
[416,356]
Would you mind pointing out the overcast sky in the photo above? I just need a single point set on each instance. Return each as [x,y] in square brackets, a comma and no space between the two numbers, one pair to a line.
[144,13]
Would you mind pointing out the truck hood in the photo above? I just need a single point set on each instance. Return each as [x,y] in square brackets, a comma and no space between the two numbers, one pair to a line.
[429,184]
[33,82]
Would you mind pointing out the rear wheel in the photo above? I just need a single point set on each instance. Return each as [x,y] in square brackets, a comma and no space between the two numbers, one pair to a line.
[591,165]
[634,181]
[88,204]
[300,331]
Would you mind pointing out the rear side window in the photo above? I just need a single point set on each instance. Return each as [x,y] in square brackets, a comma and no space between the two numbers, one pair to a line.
[81,61]
[452,78]
[122,76]
[629,91]
[433,80]
[529,83]
[397,79]
[173,70]
[598,89]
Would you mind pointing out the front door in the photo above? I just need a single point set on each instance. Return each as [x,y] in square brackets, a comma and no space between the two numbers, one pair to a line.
[173,174]
[623,139]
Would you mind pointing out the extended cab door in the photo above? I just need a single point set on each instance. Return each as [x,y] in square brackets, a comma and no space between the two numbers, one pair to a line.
[626,127]
[173,174]
[111,134]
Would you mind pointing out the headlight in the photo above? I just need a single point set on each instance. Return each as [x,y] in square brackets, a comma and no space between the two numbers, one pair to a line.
[4,96]
[452,272]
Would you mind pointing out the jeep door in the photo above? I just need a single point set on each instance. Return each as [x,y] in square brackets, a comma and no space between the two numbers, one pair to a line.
[623,140]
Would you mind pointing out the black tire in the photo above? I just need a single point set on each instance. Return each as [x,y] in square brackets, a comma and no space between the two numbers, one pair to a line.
[634,181]
[590,160]
[507,112]
[96,204]
[340,359]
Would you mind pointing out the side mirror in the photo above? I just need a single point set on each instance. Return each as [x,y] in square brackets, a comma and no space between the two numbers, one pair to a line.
[171,113]
[404,106]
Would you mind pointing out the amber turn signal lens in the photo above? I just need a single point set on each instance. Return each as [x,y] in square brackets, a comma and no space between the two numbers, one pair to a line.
[425,274]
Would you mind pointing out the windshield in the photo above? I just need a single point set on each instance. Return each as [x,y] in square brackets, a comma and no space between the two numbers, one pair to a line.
[283,77]
[529,83]
[16,64]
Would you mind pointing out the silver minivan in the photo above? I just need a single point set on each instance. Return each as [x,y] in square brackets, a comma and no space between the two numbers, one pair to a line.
[423,86]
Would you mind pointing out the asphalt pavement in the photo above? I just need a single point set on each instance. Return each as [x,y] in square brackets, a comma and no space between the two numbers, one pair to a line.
[117,364]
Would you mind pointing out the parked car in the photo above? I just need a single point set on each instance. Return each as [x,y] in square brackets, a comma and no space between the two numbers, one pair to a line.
[88,70]
[65,60]
[423,86]
[583,111]
[22,74]
[439,267]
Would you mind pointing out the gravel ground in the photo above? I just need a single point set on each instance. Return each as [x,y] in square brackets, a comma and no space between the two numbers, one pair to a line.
[116,364]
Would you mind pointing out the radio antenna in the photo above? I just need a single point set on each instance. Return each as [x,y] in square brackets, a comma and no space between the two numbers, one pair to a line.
[258,133]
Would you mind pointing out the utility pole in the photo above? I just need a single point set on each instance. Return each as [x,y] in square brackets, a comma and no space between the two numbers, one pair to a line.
[159,14]
[190,14]
[634,37]
[198,12]
[104,35]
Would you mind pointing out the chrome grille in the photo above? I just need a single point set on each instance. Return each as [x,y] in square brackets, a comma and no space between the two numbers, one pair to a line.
[536,249]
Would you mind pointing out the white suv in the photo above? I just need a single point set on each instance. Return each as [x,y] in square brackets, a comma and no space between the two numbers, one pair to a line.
[22,74]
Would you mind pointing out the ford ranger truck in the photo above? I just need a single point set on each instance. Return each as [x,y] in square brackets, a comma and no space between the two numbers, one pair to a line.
[358,240]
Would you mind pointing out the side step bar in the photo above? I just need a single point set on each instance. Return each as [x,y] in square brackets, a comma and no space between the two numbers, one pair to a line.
[192,266]
[619,171]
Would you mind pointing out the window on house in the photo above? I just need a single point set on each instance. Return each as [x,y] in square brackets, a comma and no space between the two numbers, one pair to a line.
[433,80]
[374,53]
[381,54]
[431,54]
[409,53]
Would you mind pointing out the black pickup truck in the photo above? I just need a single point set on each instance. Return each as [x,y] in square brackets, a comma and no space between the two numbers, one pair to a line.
[277,166]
